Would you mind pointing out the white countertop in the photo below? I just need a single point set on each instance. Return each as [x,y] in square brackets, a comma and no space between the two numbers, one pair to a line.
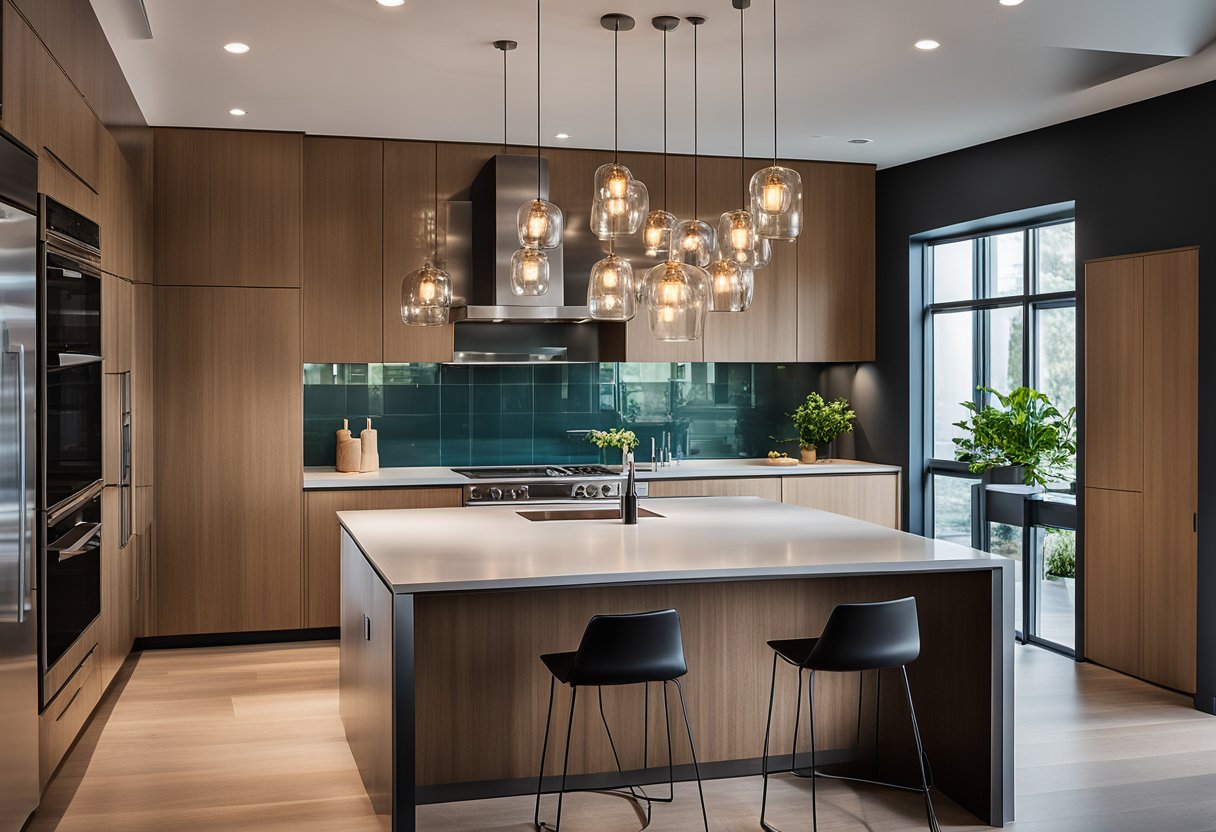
[328,478]
[697,538]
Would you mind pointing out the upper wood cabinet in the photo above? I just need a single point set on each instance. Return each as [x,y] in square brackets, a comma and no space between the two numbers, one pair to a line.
[343,250]
[228,208]
[835,263]
[229,432]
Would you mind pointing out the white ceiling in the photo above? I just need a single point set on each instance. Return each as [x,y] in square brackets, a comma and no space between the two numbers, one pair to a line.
[426,70]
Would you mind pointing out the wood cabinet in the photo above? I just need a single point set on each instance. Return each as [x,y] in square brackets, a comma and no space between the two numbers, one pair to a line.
[228,208]
[65,716]
[117,323]
[228,392]
[1141,383]
[343,266]
[870,497]
[143,420]
[836,262]
[322,537]
[118,590]
[768,488]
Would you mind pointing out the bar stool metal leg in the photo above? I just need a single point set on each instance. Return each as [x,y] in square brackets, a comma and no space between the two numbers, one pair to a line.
[768,727]
[693,750]
[920,754]
[561,793]
[814,773]
[540,778]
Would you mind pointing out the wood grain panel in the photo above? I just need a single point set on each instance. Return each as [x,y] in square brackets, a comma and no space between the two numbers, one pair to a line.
[1113,430]
[409,215]
[1168,577]
[228,477]
[870,497]
[1113,540]
[115,630]
[836,270]
[463,639]
[118,210]
[343,250]
[60,723]
[322,538]
[117,317]
[182,206]
[768,488]
[256,186]
[143,419]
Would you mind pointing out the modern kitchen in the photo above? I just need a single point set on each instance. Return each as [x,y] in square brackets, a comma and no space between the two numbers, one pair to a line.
[752,414]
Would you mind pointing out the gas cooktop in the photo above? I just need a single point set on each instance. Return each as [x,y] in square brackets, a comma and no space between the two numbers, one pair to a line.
[530,472]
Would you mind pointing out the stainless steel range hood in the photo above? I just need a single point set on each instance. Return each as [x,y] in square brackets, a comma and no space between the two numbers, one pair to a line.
[489,232]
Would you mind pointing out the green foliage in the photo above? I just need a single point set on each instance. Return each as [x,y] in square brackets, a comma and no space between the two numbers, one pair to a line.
[614,438]
[818,422]
[1025,430]
[1060,553]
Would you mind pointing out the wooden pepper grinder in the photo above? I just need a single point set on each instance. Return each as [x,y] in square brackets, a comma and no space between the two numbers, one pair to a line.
[369,459]
[348,451]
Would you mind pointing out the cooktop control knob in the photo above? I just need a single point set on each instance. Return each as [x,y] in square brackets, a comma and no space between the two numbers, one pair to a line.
[523,492]
[593,490]
[606,490]
[496,493]
[474,493]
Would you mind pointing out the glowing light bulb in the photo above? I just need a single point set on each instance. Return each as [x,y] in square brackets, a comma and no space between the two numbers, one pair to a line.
[531,271]
[774,195]
[691,240]
[610,302]
[538,222]
[617,206]
[740,237]
[617,183]
[654,238]
[610,278]
[427,290]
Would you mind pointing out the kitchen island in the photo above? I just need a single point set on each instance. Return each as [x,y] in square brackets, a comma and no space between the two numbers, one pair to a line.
[445,611]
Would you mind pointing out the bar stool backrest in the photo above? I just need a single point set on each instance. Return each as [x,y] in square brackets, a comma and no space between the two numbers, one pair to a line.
[868,637]
[630,649]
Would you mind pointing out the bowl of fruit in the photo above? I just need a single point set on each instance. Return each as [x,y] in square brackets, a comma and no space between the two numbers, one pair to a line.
[777,458]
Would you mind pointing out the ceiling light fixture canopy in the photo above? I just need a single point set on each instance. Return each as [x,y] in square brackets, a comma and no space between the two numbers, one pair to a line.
[539,222]
[776,191]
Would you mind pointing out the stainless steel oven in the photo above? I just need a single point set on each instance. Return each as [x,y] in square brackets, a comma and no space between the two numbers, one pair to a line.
[70,588]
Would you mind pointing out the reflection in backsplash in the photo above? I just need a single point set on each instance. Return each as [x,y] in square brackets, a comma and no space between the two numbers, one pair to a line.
[503,414]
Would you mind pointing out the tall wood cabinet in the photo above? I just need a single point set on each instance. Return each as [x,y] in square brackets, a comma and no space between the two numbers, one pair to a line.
[1139,446]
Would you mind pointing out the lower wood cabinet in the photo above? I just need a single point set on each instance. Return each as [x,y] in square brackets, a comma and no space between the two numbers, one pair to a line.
[116,630]
[322,537]
[1112,578]
[870,497]
[768,488]
[60,723]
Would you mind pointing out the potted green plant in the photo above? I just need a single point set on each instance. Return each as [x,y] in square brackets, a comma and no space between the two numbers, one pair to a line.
[626,440]
[818,422]
[1024,440]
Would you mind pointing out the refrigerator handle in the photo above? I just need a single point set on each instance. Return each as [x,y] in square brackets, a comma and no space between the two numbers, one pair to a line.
[22,484]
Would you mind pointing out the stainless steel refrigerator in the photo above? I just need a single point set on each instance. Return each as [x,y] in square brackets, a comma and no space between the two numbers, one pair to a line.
[18,476]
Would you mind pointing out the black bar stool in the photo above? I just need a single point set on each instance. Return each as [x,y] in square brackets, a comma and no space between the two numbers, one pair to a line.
[632,649]
[856,638]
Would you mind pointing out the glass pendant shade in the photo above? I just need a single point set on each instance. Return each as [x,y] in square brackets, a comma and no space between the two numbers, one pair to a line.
[611,295]
[736,232]
[612,181]
[529,272]
[776,203]
[426,296]
[677,298]
[656,232]
[693,242]
[613,217]
[757,258]
[730,287]
[540,225]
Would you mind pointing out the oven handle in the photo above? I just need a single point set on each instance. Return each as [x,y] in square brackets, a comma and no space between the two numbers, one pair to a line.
[22,498]
[76,542]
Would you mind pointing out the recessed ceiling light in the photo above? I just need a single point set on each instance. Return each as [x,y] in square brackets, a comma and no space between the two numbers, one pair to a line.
[236,111]
[391,3]
[860,141]
[236,48]
[562,136]
[927,44]
[1010,2]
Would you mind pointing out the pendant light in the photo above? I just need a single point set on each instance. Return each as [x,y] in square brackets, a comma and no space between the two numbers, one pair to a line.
[611,295]
[737,233]
[694,240]
[677,297]
[776,191]
[426,293]
[656,233]
[731,286]
[620,202]
[539,221]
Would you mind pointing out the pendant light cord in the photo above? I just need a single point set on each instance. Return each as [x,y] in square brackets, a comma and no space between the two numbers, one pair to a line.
[696,120]
[742,112]
[774,83]
[504,101]
[435,216]
[664,119]
[616,92]
[538,99]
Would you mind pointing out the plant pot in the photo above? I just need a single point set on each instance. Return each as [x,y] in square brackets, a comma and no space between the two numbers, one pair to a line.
[1006,475]
[808,454]
[1070,584]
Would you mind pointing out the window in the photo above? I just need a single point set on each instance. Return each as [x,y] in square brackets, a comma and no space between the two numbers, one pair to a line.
[1001,313]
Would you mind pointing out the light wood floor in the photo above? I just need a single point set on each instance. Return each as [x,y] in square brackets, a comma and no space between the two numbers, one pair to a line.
[249,738]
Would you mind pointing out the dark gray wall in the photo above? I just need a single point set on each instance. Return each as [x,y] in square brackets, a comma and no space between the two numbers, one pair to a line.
[1143,177]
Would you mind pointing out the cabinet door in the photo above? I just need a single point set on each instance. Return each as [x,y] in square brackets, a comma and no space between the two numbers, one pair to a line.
[410,179]
[1113,431]
[769,488]
[323,538]
[117,589]
[181,206]
[870,497]
[836,262]
[1168,579]
[1113,529]
[117,314]
[142,421]
[343,250]
[228,485]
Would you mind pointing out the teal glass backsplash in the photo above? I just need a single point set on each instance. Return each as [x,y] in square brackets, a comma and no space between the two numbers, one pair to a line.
[506,414]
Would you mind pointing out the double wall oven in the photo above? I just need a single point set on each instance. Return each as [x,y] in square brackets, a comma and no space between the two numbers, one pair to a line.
[70,469]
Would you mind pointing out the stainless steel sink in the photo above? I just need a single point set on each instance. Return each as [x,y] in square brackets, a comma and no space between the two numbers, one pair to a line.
[581,514]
